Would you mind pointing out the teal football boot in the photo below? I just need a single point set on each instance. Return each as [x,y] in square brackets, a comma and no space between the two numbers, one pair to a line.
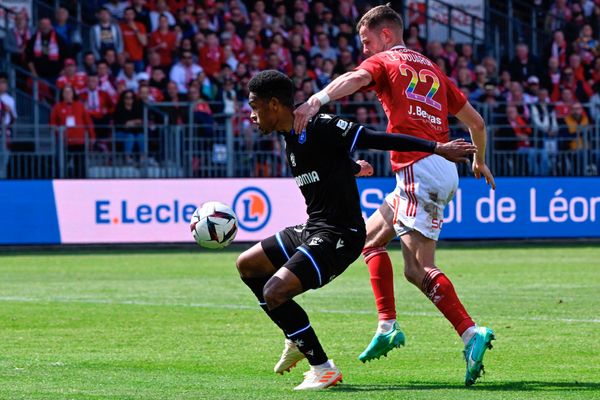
[382,343]
[474,352]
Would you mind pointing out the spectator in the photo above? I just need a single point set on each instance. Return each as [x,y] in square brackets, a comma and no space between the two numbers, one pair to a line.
[99,106]
[559,48]
[211,55]
[564,104]
[558,16]
[71,77]
[67,31]
[105,35]
[106,80]
[116,8]
[323,48]
[552,77]
[8,102]
[142,14]
[128,119]
[134,38]
[18,37]
[203,131]
[491,67]
[577,128]
[113,62]
[127,79]
[177,110]
[163,41]
[531,94]
[89,63]
[79,134]
[522,133]
[545,125]
[516,98]
[451,55]
[523,65]
[587,46]
[580,88]
[161,9]
[575,140]
[46,52]
[417,42]
[184,71]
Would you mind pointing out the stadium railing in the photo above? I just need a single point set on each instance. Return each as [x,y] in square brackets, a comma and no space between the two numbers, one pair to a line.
[234,149]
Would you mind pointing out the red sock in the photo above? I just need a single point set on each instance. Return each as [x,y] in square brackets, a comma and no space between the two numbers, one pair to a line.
[382,281]
[438,288]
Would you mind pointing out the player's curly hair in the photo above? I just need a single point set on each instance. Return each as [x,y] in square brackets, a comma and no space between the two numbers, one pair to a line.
[380,15]
[271,83]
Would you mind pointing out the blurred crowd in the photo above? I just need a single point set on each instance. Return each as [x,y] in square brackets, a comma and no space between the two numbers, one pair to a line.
[173,52]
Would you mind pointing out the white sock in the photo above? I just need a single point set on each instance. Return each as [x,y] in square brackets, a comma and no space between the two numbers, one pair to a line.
[326,364]
[385,325]
[468,334]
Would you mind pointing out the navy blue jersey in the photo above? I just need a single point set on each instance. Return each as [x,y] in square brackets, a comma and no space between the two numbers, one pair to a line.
[324,171]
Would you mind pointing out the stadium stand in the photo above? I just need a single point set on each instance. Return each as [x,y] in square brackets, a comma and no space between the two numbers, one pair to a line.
[159,87]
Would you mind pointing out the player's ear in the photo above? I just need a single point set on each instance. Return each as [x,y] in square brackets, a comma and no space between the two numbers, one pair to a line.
[274,104]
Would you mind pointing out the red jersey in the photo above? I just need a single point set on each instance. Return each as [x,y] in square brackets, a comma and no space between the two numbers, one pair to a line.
[416,97]
[164,43]
[78,82]
[131,44]
[75,118]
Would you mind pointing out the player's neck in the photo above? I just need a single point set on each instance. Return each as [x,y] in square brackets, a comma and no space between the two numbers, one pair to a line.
[286,123]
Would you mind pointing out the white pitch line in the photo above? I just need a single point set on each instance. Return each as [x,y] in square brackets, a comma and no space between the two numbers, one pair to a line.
[249,307]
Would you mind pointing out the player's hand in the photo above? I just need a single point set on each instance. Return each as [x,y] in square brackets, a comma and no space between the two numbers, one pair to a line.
[456,151]
[366,169]
[305,112]
[479,168]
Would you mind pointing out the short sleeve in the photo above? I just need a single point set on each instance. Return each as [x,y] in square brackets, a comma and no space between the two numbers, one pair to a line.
[374,66]
[455,98]
[335,131]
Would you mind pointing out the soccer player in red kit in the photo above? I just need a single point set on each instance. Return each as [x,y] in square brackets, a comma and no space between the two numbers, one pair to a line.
[417,98]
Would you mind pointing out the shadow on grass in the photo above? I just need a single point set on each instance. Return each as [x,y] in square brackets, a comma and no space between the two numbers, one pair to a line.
[523,386]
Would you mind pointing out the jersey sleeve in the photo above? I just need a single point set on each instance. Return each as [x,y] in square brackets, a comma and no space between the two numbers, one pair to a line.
[455,98]
[334,131]
[376,68]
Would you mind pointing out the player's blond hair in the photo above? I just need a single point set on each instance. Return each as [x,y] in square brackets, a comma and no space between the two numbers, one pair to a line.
[381,15]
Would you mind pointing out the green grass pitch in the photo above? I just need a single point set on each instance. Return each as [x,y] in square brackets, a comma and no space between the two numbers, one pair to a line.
[181,325]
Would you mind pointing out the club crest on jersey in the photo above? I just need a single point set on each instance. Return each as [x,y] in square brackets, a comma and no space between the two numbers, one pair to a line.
[302,137]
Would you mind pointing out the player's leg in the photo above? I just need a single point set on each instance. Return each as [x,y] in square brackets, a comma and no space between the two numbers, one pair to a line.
[380,231]
[256,266]
[323,256]
[419,253]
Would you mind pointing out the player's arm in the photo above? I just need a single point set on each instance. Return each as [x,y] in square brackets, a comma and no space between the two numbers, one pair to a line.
[455,151]
[476,125]
[344,85]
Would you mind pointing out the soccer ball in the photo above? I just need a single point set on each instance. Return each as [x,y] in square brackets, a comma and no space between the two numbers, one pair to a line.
[213,225]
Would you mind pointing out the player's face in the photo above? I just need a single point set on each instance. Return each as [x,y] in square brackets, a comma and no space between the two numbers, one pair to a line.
[372,41]
[261,114]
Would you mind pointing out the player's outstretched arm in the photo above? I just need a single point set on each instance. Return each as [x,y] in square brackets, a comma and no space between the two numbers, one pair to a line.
[473,120]
[455,151]
[342,86]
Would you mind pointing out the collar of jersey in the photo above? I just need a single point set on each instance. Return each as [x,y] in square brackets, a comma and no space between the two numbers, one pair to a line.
[397,47]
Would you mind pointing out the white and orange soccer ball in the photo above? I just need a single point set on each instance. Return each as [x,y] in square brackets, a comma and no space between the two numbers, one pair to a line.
[214,225]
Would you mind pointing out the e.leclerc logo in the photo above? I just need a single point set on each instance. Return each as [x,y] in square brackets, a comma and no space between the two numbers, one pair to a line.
[253,209]
[124,212]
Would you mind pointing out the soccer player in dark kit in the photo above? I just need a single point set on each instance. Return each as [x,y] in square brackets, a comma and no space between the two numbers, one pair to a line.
[310,255]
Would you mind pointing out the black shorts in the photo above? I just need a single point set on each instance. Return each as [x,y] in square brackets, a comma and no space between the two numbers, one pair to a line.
[315,255]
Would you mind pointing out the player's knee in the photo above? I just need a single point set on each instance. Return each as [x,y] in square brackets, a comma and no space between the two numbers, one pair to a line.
[274,295]
[369,252]
[244,265]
